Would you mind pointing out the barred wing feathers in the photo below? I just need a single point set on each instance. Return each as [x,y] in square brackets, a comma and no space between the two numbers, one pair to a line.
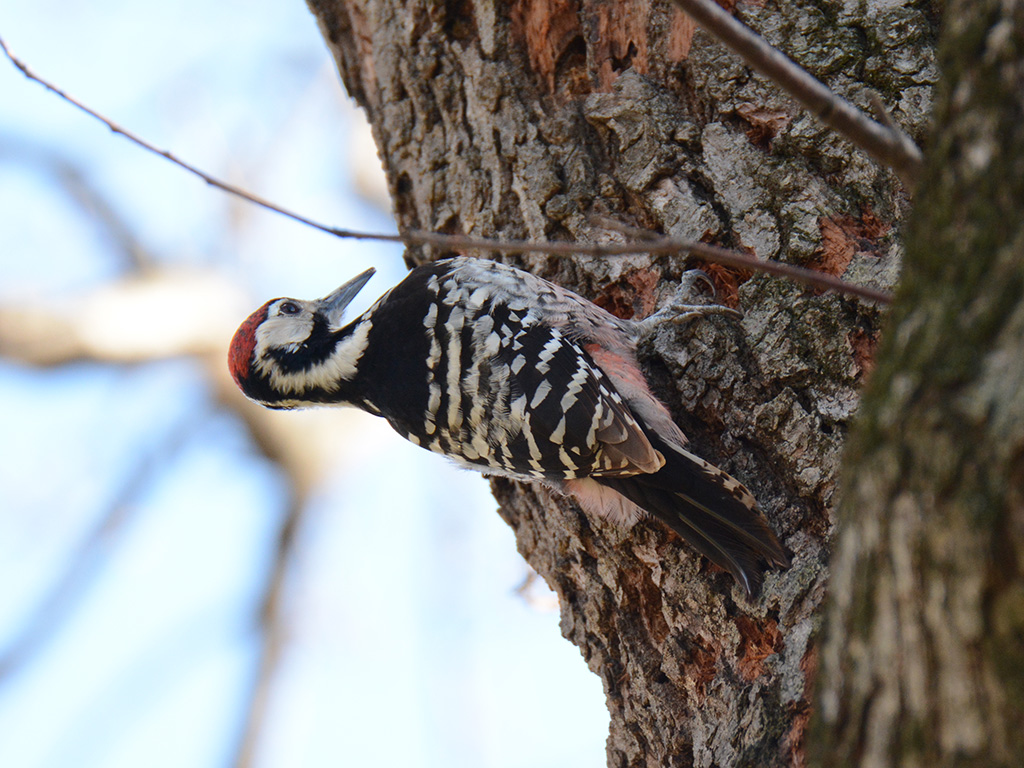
[575,422]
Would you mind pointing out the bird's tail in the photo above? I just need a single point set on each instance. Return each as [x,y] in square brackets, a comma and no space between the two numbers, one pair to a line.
[711,510]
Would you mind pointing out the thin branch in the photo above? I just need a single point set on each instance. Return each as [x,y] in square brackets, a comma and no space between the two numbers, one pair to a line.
[654,246]
[889,146]
[881,112]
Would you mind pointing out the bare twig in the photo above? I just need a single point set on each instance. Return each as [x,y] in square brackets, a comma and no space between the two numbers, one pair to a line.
[881,112]
[888,145]
[656,245]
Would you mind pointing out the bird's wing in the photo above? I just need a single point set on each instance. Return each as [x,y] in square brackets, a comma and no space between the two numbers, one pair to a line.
[574,419]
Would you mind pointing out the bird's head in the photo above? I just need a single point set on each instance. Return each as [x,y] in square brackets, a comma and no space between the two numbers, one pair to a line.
[291,353]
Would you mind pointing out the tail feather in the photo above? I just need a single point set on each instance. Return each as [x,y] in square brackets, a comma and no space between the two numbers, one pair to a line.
[710,510]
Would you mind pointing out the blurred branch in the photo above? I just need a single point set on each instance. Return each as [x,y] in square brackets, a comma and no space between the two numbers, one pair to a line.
[168,313]
[885,143]
[656,245]
[85,562]
[272,633]
[89,198]
[141,317]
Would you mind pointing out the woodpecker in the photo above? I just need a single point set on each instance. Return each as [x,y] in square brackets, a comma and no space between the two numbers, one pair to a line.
[510,375]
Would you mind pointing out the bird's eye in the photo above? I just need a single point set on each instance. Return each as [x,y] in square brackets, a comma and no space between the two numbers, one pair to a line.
[289,308]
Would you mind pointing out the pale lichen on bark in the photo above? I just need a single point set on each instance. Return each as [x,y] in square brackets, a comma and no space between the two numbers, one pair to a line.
[919,667]
[545,119]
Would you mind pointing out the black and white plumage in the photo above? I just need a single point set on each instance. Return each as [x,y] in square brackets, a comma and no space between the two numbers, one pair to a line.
[511,375]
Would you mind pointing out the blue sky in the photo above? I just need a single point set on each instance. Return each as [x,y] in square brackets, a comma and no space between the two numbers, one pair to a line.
[407,644]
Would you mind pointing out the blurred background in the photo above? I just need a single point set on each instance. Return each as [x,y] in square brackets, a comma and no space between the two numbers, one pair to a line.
[189,580]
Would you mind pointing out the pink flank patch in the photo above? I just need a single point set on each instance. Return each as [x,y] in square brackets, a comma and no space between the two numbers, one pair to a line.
[243,343]
[618,369]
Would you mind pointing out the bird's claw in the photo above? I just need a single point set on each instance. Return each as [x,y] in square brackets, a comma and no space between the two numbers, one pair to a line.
[679,310]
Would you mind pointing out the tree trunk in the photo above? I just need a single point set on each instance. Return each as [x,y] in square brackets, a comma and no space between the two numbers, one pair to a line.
[548,119]
[924,660]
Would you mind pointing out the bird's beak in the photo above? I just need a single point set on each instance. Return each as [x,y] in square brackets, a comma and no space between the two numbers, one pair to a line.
[333,306]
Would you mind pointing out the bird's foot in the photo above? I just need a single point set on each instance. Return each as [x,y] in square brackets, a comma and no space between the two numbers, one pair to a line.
[680,310]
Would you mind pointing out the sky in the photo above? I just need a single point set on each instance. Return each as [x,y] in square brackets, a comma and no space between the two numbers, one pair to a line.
[408,643]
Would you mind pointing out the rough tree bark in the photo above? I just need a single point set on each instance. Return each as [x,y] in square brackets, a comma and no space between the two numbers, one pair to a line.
[546,119]
[924,658]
